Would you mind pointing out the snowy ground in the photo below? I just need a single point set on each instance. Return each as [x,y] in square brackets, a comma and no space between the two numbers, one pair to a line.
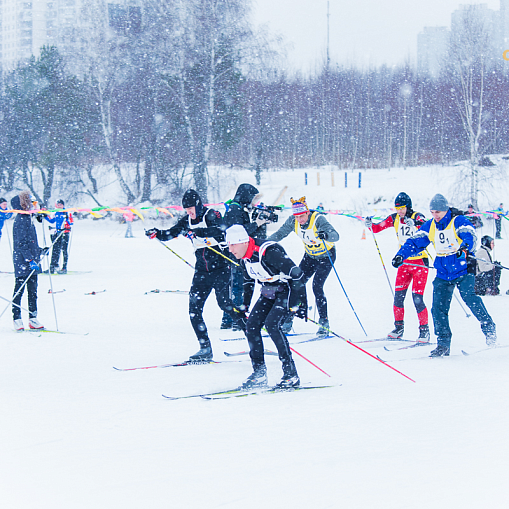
[74,433]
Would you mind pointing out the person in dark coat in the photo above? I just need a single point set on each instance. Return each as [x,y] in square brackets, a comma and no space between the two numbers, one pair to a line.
[239,211]
[204,228]
[26,257]
[487,275]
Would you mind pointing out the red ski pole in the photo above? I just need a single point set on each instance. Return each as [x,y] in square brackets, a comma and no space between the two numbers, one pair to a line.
[362,350]
[320,369]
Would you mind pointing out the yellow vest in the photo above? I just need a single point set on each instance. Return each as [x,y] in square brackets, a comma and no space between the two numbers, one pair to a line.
[404,232]
[312,244]
[446,241]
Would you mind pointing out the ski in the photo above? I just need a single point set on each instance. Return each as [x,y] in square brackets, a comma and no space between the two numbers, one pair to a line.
[260,391]
[246,352]
[484,349]
[405,347]
[37,331]
[68,273]
[95,293]
[167,291]
[174,365]
[265,336]
[316,338]
[383,339]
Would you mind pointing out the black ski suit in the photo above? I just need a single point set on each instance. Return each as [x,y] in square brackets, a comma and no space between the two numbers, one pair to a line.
[212,271]
[282,288]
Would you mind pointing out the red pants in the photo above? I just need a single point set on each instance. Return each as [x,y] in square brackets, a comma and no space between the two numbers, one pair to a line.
[407,273]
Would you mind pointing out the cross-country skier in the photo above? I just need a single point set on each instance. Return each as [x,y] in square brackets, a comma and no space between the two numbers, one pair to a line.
[3,215]
[26,258]
[204,227]
[475,220]
[487,275]
[318,237]
[283,292]
[406,222]
[239,211]
[63,222]
[498,221]
[453,236]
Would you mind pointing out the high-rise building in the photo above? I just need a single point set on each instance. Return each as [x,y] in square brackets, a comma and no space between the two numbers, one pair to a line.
[432,47]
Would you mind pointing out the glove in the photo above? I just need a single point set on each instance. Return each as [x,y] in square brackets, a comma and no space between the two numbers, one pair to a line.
[44,251]
[191,235]
[154,233]
[322,235]
[397,261]
[35,266]
[409,222]
[39,217]
[368,221]
[463,249]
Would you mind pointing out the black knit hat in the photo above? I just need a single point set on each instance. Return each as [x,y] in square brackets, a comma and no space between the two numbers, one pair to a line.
[192,199]
[61,202]
[2,200]
[403,200]
[486,241]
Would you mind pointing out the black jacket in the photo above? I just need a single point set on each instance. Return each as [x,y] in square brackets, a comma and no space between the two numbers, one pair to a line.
[237,212]
[24,241]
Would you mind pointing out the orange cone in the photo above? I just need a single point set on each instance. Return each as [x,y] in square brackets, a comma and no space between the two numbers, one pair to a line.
[363,235]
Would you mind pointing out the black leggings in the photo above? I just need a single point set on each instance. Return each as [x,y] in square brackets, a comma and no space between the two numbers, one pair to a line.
[203,283]
[321,268]
[61,244]
[31,287]
[272,314]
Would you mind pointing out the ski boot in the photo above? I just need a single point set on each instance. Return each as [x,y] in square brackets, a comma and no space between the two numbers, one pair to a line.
[290,377]
[491,340]
[398,330]
[257,379]
[63,271]
[34,324]
[440,351]
[203,354]
[424,336]
[324,327]
[18,325]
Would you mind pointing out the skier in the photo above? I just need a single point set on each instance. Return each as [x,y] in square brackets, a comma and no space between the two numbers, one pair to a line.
[3,215]
[318,237]
[26,258]
[453,236]
[63,222]
[239,211]
[475,220]
[406,222]
[283,292]
[128,218]
[204,227]
[487,275]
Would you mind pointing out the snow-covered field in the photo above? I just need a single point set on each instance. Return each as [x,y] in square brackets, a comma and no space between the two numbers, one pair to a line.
[76,434]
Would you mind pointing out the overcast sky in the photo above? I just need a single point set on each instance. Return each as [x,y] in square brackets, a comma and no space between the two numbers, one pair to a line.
[361,31]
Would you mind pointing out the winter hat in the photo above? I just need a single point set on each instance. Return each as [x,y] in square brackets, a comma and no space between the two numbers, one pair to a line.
[61,202]
[299,206]
[236,234]
[486,241]
[439,202]
[403,200]
[192,199]
[2,200]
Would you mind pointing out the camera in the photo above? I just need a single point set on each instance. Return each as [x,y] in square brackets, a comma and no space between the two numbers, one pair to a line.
[267,212]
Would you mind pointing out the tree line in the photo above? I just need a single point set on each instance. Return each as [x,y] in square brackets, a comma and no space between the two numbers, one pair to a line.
[156,103]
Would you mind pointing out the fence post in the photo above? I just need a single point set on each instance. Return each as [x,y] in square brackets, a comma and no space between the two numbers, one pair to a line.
[346,179]
[305,178]
[332,178]
[359,180]
[317,178]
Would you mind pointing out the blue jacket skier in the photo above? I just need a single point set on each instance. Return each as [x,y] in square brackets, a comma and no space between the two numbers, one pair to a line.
[453,237]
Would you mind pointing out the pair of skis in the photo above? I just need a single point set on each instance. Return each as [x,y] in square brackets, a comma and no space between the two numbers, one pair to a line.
[240,393]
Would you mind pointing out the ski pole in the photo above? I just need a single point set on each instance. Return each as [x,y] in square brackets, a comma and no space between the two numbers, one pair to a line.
[224,256]
[495,264]
[176,254]
[10,302]
[382,260]
[17,293]
[346,295]
[312,364]
[362,350]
